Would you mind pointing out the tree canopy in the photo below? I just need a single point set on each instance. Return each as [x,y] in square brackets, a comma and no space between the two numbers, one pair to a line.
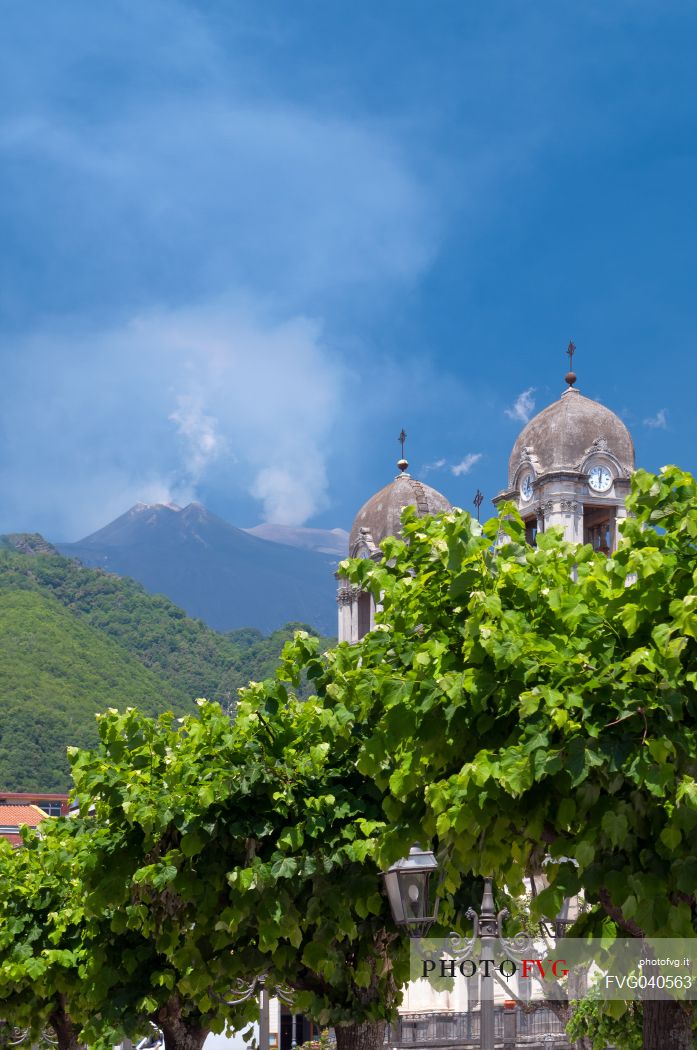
[513,704]
[521,699]
[44,936]
[217,850]
[516,703]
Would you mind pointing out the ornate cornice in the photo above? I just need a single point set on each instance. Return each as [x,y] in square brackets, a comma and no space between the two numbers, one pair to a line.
[344,596]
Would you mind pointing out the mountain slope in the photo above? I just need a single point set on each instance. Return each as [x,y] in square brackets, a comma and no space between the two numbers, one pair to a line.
[56,672]
[74,641]
[213,570]
[325,541]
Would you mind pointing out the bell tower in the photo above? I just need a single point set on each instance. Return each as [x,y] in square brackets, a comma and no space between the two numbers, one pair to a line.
[571,466]
[380,517]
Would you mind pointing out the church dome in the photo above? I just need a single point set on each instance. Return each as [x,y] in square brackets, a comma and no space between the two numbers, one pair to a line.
[565,433]
[379,516]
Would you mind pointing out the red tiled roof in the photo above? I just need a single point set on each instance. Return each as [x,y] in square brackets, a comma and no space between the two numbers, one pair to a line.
[15,816]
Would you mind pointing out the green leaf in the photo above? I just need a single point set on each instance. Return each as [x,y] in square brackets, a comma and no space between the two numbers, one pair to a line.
[615,827]
[284,868]
[670,837]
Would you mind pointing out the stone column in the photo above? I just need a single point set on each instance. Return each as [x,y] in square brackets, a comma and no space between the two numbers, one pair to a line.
[540,515]
[343,599]
[565,511]
[572,512]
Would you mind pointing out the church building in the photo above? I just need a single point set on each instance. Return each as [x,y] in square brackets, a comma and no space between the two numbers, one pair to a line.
[570,466]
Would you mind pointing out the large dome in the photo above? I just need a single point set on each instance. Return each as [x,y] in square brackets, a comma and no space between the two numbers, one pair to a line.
[379,516]
[560,436]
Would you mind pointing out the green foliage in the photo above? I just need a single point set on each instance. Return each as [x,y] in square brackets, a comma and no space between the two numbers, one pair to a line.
[607,1023]
[43,936]
[74,641]
[517,700]
[162,836]
[214,850]
[334,940]
[325,1042]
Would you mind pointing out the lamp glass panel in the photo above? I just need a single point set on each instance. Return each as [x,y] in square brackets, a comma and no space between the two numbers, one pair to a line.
[414,893]
[394,895]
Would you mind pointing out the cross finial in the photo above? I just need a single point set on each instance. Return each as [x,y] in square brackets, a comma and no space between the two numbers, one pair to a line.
[402,464]
[478,497]
[570,376]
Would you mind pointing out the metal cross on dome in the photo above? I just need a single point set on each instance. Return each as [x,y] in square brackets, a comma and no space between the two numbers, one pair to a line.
[570,376]
[478,498]
[402,438]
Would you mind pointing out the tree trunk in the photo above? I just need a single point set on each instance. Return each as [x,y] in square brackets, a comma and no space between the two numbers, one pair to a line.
[66,1036]
[180,1033]
[370,1035]
[667,1024]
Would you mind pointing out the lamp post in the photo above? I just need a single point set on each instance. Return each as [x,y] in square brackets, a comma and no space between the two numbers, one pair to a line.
[242,991]
[487,926]
[407,886]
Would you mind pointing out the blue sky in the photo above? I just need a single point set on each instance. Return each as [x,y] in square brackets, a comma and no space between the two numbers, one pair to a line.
[242,245]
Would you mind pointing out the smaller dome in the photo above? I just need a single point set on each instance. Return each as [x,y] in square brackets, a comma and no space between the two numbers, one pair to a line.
[559,437]
[379,516]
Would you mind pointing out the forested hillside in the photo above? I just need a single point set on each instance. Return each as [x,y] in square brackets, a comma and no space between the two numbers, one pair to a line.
[74,641]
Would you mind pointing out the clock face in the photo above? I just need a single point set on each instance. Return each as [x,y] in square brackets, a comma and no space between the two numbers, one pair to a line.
[526,486]
[599,479]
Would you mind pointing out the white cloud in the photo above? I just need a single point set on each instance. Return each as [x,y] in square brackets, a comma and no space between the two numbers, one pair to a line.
[289,494]
[523,406]
[437,464]
[236,199]
[200,435]
[659,421]
[83,444]
[465,465]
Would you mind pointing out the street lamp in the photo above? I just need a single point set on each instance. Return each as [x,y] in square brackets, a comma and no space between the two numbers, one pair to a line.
[408,891]
[407,885]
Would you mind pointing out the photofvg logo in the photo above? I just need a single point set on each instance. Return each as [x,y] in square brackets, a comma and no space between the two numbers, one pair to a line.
[523,969]
[624,969]
[518,975]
